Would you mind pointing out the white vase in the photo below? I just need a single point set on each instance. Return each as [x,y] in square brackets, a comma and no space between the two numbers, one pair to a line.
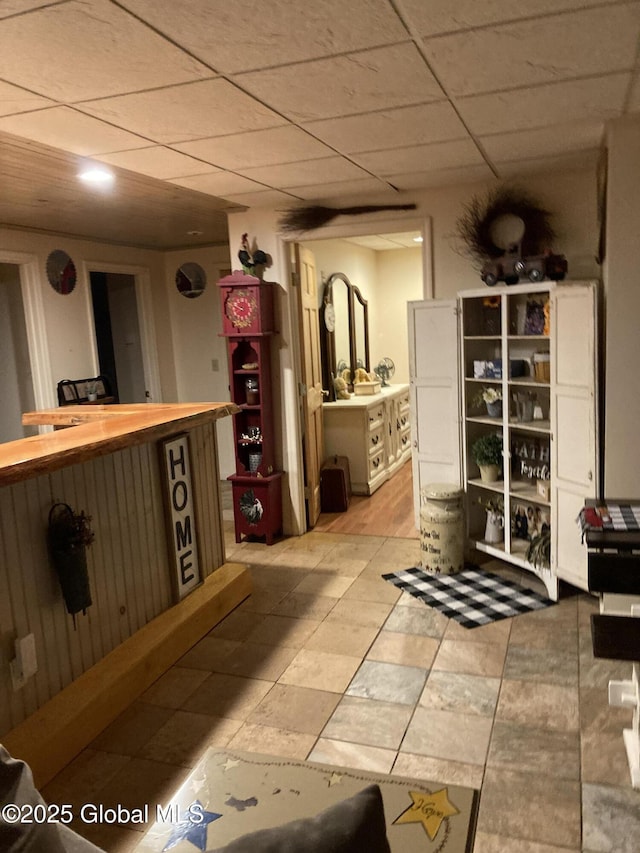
[494,530]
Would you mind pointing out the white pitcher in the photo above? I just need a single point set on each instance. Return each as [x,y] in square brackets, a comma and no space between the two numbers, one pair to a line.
[494,531]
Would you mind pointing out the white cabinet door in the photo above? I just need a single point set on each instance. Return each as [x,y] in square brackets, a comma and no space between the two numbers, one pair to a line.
[574,445]
[434,387]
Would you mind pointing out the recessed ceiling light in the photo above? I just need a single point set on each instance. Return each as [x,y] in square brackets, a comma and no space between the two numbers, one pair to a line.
[418,239]
[97,176]
[195,233]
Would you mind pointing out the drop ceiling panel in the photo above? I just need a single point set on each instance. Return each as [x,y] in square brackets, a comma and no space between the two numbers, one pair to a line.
[440,155]
[89,49]
[307,172]
[14,99]
[357,83]
[219,183]
[585,43]
[157,162]
[64,127]
[193,111]
[441,177]
[244,35]
[17,7]
[598,98]
[547,141]
[415,125]
[265,198]
[259,148]
[337,189]
[446,16]
[561,163]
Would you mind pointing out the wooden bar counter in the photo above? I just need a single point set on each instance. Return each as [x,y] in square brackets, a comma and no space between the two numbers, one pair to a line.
[111,464]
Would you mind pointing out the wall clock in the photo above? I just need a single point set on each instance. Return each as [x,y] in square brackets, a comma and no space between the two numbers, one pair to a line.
[191,280]
[241,307]
[61,271]
[330,317]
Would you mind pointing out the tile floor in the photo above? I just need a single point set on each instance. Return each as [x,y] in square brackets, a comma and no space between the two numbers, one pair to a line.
[329,662]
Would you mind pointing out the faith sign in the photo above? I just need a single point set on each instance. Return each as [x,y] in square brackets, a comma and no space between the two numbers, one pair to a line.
[181,522]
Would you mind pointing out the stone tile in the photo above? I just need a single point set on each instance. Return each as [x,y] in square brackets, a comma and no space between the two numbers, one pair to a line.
[406,649]
[324,583]
[181,741]
[257,660]
[604,758]
[598,715]
[262,600]
[368,721]
[320,671]
[112,837]
[349,567]
[132,729]
[495,632]
[443,734]
[412,620]
[221,730]
[81,780]
[372,613]
[365,589]
[538,634]
[344,754]
[172,688]
[339,638]
[277,578]
[207,653]
[544,706]
[472,658]
[541,751]
[488,843]
[438,770]
[359,547]
[300,605]
[300,558]
[297,709]
[236,626]
[271,741]
[142,781]
[467,694]
[284,631]
[611,819]
[227,696]
[388,682]
[550,666]
[530,807]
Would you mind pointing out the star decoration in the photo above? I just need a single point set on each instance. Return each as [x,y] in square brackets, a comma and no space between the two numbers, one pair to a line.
[230,763]
[335,779]
[192,827]
[429,810]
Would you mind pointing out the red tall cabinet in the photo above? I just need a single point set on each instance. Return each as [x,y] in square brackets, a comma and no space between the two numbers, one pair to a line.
[248,325]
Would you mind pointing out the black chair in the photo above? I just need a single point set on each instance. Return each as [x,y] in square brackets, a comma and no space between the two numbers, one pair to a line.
[72,392]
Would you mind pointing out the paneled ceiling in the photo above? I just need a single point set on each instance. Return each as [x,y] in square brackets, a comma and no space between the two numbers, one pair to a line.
[201,106]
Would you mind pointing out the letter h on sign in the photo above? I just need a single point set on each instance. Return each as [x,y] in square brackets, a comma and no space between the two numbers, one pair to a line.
[181,522]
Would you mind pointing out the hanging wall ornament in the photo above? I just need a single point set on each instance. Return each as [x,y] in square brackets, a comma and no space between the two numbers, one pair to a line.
[310,218]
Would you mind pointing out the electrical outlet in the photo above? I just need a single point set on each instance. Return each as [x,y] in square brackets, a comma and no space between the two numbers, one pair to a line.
[215,365]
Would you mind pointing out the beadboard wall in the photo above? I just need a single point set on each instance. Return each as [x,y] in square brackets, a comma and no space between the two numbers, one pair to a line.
[128,563]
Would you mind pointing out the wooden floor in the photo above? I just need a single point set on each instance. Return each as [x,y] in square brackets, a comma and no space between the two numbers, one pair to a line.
[387,512]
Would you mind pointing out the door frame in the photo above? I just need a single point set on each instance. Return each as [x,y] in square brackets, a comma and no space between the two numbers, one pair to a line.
[146,322]
[34,317]
[344,230]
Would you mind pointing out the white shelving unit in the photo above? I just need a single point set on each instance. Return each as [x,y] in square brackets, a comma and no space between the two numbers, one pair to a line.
[558,447]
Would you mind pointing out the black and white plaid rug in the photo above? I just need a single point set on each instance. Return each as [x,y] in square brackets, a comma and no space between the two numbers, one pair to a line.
[471,597]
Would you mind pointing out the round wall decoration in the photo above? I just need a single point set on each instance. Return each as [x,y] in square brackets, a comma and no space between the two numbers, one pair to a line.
[61,271]
[191,280]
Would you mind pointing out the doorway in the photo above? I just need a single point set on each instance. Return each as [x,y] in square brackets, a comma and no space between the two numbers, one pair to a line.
[389,268]
[16,379]
[118,339]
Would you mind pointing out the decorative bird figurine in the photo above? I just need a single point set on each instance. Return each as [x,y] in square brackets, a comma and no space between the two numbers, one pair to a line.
[253,260]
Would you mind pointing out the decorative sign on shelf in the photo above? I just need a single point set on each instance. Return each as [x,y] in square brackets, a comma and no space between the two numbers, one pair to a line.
[180,512]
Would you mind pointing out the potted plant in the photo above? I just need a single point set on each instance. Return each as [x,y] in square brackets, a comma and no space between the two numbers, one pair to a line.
[539,550]
[487,454]
[492,398]
[69,535]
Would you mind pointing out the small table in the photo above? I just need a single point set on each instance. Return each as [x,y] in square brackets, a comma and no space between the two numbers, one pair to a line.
[611,529]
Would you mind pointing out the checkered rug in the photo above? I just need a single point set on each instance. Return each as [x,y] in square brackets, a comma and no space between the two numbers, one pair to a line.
[471,597]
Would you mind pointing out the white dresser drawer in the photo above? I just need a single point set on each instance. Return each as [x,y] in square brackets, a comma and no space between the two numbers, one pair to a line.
[376,440]
[376,464]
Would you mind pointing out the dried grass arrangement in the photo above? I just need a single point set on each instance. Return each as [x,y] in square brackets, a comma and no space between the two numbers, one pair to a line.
[474,227]
[309,218]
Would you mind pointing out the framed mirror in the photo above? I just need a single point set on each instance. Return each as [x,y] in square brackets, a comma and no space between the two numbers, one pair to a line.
[344,332]
[61,272]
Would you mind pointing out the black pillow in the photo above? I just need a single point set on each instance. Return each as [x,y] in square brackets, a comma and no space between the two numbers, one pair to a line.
[355,825]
